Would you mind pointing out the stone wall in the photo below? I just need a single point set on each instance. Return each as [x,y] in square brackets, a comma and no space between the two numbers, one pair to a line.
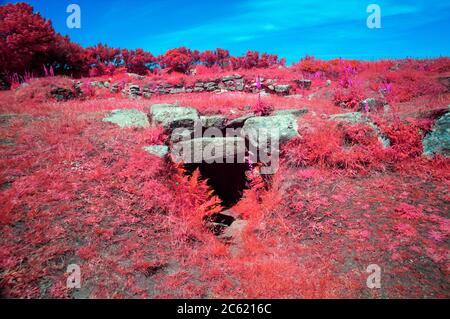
[228,83]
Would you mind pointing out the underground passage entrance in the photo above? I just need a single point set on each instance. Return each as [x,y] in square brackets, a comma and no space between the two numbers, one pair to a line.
[227,180]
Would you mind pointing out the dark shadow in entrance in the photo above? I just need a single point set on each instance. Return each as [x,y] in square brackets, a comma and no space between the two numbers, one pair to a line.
[228,180]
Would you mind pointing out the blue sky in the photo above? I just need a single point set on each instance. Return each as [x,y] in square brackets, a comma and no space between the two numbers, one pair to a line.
[289,28]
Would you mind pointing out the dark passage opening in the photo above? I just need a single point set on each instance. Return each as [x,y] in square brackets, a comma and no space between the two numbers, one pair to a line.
[228,180]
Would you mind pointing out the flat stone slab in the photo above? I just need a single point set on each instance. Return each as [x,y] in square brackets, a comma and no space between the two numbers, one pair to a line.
[217,121]
[171,116]
[233,233]
[282,88]
[268,128]
[127,118]
[357,117]
[158,150]
[438,141]
[209,150]
[239,122]
[352,117]
[158,107]
[231,77]
[181,134]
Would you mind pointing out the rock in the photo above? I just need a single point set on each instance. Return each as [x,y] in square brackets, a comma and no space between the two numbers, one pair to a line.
[353,117]
[328,83]
[163,89]
[283,127]
[171,116]
[177,90]
[115,88]
[211,86]
[231,77]
[294,112]
[62,94]
[229,85]
[263,93]
[127,118]
[100,84]
[181,134]
[158,150]
[136,76]
[155,108]
[395,67]
[305,84]
[438,140]
[218,222]
[217,121]
[239,122]
[147,89]
[357,117]
[198,89]
[370,104]
[282,88]
[133,91]
[77,86]
[209,149]
[240,84]
[445,80]
[231,229]
[233,233]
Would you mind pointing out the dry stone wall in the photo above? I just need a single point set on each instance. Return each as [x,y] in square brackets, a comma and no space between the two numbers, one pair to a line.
[228,83]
